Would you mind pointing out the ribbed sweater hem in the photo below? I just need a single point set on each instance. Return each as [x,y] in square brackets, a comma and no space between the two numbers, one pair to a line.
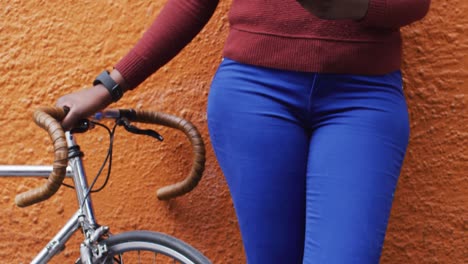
[313,54]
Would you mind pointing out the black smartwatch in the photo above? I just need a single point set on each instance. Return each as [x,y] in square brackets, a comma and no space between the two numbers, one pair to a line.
[114,88]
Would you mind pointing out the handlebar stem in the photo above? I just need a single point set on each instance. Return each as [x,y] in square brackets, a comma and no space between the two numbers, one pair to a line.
[81,184]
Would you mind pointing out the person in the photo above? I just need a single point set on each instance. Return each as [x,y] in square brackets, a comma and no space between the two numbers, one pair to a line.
[306,115]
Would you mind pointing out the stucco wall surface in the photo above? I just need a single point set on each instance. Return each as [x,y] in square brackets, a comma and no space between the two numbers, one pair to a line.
[49,48]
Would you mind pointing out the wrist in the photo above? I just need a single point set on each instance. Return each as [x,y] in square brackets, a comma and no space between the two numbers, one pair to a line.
[118,78]
[114,88]
[101,92]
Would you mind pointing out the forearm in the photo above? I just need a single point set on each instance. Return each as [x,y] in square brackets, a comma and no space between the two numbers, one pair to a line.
[371,13]
[395,13]
[177,24]
[336,9]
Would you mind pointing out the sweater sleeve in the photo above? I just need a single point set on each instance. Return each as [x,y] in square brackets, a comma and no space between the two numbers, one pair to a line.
[395,13]
[176,25]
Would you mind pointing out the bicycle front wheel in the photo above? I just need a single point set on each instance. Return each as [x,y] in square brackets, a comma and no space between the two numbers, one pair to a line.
[150,247]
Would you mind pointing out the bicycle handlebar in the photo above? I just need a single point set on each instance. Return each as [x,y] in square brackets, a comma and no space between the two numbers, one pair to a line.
[48,118]
[198,165]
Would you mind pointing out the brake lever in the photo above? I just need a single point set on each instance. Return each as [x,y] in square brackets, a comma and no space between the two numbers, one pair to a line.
[135,130]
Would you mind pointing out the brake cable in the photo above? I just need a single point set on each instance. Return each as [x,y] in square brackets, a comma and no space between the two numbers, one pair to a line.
[85,124]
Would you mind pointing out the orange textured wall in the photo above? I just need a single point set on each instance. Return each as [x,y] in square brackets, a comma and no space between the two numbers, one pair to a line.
[49,48]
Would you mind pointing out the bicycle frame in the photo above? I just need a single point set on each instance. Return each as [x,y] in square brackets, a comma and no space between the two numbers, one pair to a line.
[83,217]
[29,171]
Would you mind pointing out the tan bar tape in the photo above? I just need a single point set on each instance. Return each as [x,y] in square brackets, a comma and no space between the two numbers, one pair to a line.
[48,118]
[198,147]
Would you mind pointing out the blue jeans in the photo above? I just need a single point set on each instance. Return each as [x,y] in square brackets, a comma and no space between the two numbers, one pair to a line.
[312,160]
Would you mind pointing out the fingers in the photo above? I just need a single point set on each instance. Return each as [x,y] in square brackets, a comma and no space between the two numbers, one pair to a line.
[83,104]
[70,119]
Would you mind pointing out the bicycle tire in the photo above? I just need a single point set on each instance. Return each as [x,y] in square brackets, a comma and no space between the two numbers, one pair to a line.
[153,242]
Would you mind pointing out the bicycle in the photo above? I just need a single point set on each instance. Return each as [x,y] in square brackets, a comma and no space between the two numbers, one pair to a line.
[99,244]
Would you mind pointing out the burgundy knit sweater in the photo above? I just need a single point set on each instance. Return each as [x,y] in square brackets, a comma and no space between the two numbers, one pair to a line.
[280,34]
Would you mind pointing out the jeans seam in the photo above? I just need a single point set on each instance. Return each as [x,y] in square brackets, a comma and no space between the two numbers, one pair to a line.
[313,87]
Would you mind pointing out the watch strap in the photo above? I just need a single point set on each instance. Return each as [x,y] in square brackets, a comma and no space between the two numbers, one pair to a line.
[114,88]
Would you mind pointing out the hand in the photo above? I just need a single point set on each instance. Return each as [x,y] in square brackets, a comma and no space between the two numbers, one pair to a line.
[83,104]
[336,9]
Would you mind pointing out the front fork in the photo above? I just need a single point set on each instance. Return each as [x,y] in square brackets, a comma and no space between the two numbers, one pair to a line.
[89,250]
